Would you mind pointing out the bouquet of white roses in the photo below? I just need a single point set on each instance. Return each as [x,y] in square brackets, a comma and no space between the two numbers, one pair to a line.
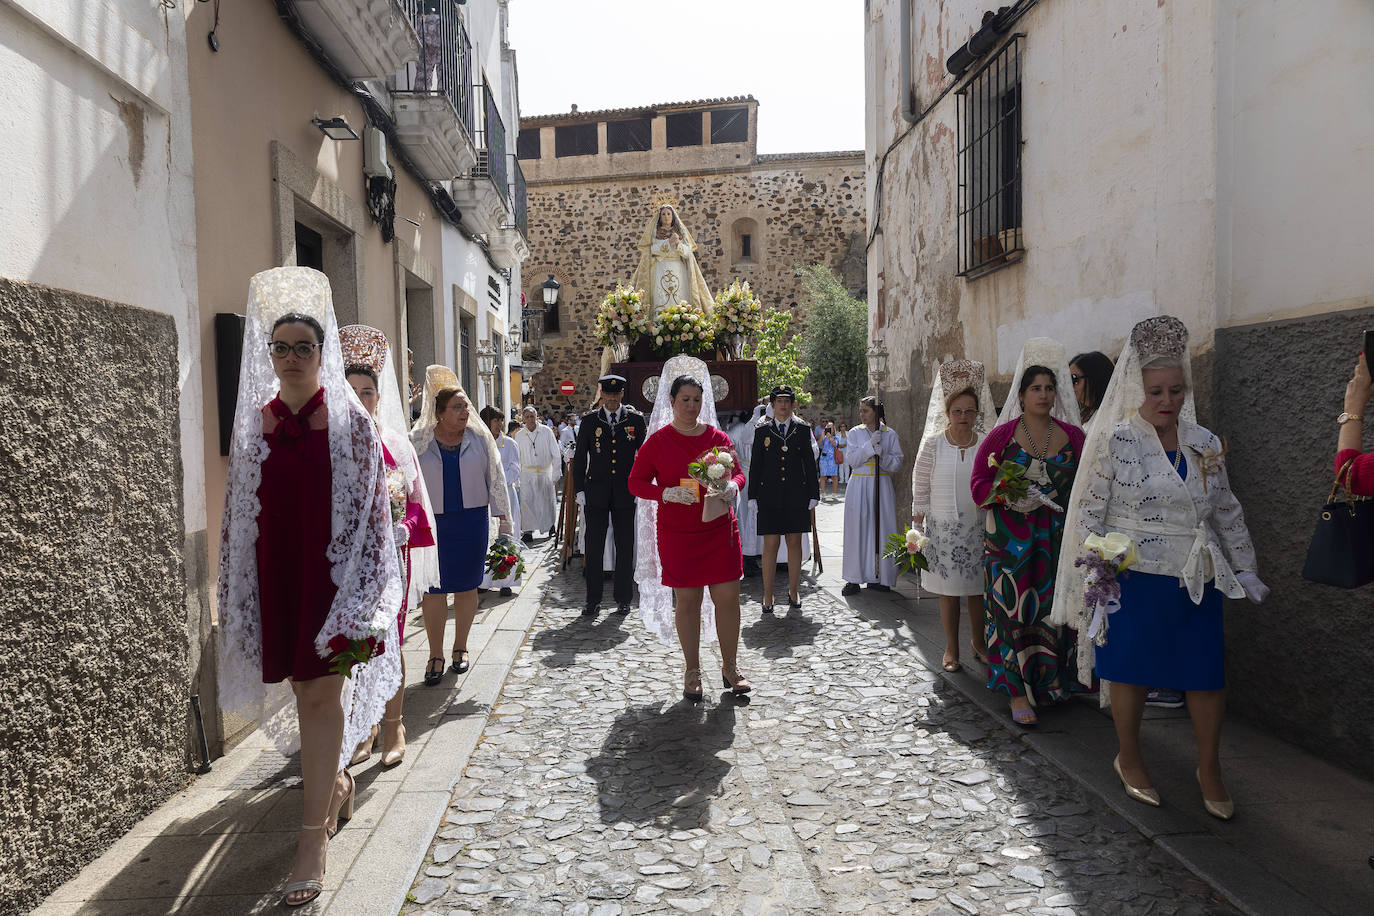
[713,471]
[622,315]
[681,328]
[738,310]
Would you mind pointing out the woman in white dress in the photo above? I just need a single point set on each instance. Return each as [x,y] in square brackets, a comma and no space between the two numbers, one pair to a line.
[873,455]
[510,463]
[942,506]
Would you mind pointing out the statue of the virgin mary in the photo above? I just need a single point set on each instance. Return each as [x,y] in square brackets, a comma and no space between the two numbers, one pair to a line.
[668,271]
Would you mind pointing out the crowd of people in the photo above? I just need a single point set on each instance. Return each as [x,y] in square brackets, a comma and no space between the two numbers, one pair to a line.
[347,506]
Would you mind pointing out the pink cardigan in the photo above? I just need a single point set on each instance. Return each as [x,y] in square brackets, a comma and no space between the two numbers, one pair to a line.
[997,440]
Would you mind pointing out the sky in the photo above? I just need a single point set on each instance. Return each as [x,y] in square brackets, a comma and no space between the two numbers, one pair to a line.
[802,60]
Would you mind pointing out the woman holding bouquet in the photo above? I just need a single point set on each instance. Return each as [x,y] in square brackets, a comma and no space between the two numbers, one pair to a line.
[309,581]
[1150,473]
[510,466]
[463,475]
[942,507]
[687,555]
[873,455]
[367,364]
[1038,443]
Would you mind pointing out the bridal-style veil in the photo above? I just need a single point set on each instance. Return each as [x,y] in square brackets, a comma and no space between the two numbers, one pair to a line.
[1043,351]
[655,598]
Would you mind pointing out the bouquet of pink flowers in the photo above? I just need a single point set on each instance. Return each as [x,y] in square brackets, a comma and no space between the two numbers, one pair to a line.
[906,549]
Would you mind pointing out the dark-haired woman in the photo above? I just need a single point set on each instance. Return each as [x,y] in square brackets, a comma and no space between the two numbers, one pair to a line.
[1090,372]
[1029,659]
[694,555]
[873,455]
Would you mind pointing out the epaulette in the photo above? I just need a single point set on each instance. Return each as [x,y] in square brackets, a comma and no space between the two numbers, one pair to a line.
[762,422]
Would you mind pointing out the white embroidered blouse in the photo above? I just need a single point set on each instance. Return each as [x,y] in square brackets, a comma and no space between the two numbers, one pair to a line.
[1191,529]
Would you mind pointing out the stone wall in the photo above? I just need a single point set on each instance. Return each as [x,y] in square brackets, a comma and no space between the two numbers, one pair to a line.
[804,210]
[94,644]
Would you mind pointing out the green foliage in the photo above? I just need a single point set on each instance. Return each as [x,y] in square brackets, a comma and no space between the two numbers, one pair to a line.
[905,559]
[778,358]
[834,338]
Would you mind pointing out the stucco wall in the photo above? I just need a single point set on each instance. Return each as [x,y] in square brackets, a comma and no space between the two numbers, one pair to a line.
[92,589]
[586,233]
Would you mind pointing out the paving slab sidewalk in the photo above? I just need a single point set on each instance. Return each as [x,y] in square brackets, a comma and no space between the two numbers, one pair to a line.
[224,844]
[1303,831]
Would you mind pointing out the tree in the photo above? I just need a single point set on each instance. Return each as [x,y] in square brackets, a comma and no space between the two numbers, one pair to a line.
[834,338]
[777,358]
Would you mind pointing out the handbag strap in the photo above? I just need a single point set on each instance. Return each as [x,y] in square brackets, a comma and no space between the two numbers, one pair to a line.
[1343,483]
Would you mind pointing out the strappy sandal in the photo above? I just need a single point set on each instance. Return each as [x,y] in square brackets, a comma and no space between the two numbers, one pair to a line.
[1024,717]
[738,683]
[345,810]
[433,677]
[693,676]
[314,886]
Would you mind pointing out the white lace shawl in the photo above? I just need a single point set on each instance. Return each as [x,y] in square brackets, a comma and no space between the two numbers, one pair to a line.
[437,378]
[655,598]
[361,551]
[391,421]
[937,422]
[1042,351]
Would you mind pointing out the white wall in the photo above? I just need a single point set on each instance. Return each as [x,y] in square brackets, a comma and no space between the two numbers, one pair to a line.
[98,190]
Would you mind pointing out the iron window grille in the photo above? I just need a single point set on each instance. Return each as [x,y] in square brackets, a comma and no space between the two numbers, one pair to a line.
[631,135]
[445,57]
[527,144]
[683,129]
[729,125]
[574,140]
[989,144]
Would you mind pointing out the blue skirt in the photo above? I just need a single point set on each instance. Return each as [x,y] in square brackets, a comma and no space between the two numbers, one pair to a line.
[1159,638]
[462,539]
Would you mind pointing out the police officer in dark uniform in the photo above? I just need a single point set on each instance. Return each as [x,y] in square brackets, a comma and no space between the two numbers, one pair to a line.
[606,445]
[784,486]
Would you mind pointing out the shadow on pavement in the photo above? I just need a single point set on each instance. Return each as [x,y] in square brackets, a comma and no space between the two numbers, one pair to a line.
[559,648]
[661,764]
[776,635]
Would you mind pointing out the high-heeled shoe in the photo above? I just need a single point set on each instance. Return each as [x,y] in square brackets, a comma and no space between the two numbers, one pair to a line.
[1222,810]
[363,753]
[345,810]
[1144,796]
[394,756]
[314,885]
[739,683]
[693,676]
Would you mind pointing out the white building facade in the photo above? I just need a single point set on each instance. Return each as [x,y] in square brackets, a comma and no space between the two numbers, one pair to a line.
[1066,170]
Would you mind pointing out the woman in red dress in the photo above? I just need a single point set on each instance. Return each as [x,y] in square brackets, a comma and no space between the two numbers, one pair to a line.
[693,555]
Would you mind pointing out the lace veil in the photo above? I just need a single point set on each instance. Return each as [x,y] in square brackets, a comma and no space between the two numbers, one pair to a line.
[361,551]
[698,292]
[437,378]
[655,598]
[1162,336]
[369,347]
[1042,351]
[956,375]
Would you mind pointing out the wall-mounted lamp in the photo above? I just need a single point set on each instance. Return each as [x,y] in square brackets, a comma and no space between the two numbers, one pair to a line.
[551,287]
[335,129]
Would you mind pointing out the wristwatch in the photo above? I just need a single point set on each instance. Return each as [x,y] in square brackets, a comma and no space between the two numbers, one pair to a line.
[1346,416]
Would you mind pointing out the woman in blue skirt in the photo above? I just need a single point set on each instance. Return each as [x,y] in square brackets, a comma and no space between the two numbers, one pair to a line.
[466,484]
[1149,472]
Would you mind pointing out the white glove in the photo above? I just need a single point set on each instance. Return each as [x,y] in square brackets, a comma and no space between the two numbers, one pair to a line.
[754,506]
[504,527]
[581,499]
[731,491]
[680,495]
[1025,505]
[811,504]
[402,534]
[1255,590]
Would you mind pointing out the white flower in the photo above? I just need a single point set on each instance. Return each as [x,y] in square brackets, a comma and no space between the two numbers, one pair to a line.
[716,471]
[726,459]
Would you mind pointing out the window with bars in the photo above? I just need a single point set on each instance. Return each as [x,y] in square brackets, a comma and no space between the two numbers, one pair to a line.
[989,143]
[684,129]
[527,144]
[574,140]
[631,135]
[729,125]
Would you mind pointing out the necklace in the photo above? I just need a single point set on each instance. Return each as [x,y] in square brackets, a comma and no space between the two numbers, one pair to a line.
[687,432]
[1178,457]
[1037,471]
[962,448]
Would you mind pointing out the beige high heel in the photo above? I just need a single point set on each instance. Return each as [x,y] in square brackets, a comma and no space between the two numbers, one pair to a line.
[394,756]
[314,885]
[1144,796]
[1222,810]
[345,810]
[364,750]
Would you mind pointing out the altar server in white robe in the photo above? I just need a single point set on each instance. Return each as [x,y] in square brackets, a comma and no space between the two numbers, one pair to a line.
[510,463]
[541,466]
[873,456]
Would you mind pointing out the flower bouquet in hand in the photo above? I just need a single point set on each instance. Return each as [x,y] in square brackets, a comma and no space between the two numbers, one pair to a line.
[1013,489]
[1104,560]
[504,558]
[350,652]
[906,549]
[712,471]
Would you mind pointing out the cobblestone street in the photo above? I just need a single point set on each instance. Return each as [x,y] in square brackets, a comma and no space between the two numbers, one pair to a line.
[853,781]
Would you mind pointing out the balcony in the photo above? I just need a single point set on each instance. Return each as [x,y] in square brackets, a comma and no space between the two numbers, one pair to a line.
[432,96]
[531,341]
[366,39]
[482,192]
[510,244]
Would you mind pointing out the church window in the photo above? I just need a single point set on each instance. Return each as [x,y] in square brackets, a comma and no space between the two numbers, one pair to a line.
[574,140]
[629,136]
[729,125]
[989,144]
[684,129]
[744,241]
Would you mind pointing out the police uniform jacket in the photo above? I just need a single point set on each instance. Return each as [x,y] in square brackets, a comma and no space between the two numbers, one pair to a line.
[606,447]
[783,477]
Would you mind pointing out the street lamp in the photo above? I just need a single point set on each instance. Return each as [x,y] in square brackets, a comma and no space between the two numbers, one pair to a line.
[877,363]
[877,370]
[551,287]
[486,364]
[335,128]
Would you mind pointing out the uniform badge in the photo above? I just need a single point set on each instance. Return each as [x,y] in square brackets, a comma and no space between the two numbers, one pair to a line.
[630,431]
[767,442]
[599,431]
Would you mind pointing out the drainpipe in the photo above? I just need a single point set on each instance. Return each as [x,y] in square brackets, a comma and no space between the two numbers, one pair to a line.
[904,64]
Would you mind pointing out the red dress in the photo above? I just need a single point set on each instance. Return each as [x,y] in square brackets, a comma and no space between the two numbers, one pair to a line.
[692,553]
[295,587]
[420,536]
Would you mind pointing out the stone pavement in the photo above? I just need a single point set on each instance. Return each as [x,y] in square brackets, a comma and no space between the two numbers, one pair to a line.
[854,780]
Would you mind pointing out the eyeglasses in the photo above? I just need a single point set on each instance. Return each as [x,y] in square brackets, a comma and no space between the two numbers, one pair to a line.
[303,350]
[1077,378]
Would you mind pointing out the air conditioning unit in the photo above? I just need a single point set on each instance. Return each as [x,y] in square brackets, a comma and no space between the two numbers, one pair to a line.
[374,154]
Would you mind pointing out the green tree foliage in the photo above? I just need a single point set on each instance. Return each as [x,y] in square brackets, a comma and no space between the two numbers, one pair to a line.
[834,338]
[778,358]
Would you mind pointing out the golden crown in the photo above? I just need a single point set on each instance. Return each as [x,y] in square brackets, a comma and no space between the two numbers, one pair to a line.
[363,346]
[1164,335]
[663,199]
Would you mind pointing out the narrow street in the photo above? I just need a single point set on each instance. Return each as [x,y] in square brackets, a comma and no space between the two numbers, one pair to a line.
[854,780]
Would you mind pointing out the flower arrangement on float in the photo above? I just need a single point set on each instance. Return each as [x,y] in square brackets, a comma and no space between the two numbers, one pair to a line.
[906,550]
[1105,558]
[622,319]
[681,328]
[737,315]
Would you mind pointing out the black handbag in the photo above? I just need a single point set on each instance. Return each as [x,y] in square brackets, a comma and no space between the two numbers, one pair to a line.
[1342,548]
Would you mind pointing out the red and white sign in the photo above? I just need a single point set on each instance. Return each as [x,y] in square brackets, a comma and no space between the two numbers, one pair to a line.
[567,387]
